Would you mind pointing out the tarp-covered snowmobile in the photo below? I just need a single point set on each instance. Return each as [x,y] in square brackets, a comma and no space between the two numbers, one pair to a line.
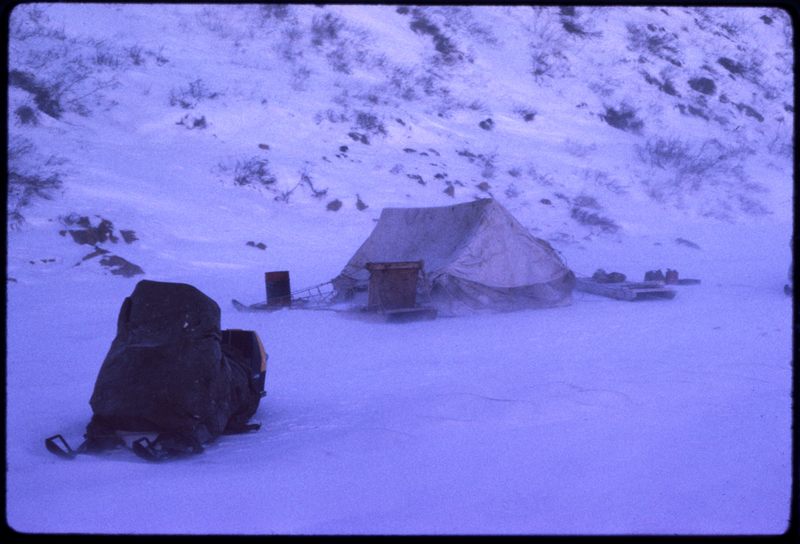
[173,373]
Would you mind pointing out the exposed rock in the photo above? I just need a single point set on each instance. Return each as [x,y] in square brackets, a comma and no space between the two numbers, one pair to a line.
[688,243]
[358,137]
[750,112]
[90,235]
[121,267]
[417,178]
[129,236]
[96,253]
[703,85]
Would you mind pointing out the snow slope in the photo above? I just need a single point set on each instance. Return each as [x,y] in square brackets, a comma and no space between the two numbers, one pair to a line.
[203,128]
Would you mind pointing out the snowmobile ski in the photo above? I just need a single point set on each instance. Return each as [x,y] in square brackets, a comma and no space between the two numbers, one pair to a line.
[160,449]
[58,445]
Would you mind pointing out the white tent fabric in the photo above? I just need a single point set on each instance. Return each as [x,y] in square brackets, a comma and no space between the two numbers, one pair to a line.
[476,255]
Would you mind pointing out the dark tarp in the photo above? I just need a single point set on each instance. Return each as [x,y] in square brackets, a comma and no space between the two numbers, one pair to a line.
[167,370]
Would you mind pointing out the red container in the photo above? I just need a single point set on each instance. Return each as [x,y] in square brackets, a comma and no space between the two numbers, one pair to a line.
[279,292]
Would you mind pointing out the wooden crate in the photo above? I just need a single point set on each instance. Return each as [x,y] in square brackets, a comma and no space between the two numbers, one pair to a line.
[393,285]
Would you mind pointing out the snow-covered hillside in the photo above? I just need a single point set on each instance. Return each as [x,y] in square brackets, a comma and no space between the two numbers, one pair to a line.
[210,144]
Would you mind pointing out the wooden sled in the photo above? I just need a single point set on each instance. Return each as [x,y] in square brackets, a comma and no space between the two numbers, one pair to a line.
[626,290]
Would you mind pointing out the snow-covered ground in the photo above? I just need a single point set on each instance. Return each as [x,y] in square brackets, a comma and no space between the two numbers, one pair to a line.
[602,417]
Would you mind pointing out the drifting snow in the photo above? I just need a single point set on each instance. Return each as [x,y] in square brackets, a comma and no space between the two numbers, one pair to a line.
[600,417]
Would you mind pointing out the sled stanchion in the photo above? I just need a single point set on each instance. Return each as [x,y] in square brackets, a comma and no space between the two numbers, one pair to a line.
[58,445]
[145,448]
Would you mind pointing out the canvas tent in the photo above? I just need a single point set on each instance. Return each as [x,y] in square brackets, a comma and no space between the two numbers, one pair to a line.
[475,256]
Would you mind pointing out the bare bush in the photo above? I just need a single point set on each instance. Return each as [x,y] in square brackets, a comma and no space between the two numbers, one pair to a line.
[32,21]
[305,181]
[485,162]
[325,28]
[46,97]
[547,41]
[62,73]
[290,45]
[527,114]
[274,11]
[602,179]
[678,169]
[624,118]
[463,20]
[30,176]
[190,96]
[193,123]
[136,54]
[586,201]
[344,45]
[540,178]
[593,219]
[370,123]
[251,171]
[749,65]
[448,52]
[26,115]
[655,40]
[681,156]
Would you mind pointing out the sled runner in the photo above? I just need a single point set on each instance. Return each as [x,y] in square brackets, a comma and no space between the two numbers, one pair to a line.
[257,307]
